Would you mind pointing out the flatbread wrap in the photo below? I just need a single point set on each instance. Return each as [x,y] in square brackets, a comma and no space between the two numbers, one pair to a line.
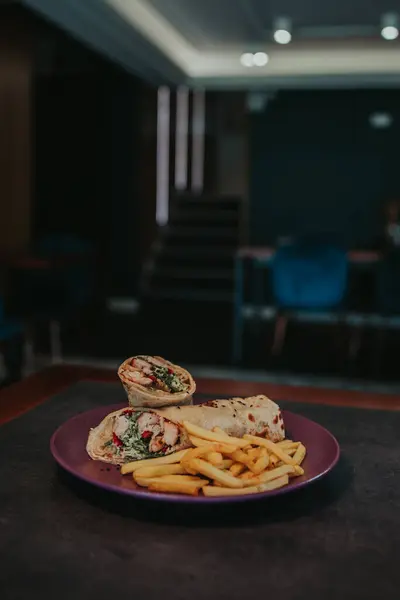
[152,381]
[133,434]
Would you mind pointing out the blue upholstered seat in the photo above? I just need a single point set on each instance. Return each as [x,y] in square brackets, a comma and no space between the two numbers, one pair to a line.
[309,276]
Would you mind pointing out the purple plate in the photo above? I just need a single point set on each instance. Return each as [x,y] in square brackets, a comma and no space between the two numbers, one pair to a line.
[68,446]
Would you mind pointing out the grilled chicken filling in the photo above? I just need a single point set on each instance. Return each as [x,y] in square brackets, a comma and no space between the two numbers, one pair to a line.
[139,435]
[153,374]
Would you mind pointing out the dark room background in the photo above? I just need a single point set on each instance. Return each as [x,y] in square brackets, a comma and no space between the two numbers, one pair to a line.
[310,162]
[318,166]
[94,157]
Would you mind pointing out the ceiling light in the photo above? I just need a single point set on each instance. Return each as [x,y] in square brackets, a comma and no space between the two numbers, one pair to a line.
[282,28]
[282,36]
[247,59]
[389,26]
[390,32]
[260,59]
[380,120]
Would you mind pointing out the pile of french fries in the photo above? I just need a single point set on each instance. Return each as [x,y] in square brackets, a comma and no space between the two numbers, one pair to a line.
[221,465]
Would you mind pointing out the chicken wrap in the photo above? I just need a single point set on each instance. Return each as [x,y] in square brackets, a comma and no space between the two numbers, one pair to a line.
[133,434]
[152,381]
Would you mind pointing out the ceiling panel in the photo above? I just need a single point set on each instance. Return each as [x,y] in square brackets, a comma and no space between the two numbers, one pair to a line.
[213,23]
[308,13]
[207,23]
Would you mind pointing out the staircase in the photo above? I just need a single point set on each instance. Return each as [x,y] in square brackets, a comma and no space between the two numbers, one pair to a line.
[194,257]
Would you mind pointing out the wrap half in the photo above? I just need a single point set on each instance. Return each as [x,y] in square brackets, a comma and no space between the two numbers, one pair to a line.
[154,382]
[130,434]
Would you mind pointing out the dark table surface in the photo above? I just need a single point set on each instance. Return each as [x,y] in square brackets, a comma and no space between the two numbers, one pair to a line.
[62,539]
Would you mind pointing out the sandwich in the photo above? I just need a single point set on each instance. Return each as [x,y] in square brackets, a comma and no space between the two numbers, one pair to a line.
[152,381]
[132,434]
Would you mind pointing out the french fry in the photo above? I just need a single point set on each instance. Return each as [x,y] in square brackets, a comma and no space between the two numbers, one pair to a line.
[221,431]
[288,444]
[185,487]
[273,448]
[214,491]
[204,468]
[273,461]
[254,453]
[241,457]
[195,453]
[266,476]
[203,451]
[206,434]
[215,458]
[298,471]
[237,468]
[299,454]
[227,463]
[247,475]
[159,470]
[261,464]
[199,441]
[147,481]
[227,449]
[290,451]
[170,459]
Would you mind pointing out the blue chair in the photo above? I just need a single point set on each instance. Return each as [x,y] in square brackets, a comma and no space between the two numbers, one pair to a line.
[8,327]
[307,277]
[58,292]
[387,302]
[388,284]
[76,280]
[11,330]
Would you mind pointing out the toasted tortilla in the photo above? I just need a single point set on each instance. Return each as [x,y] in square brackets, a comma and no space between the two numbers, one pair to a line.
[257,415]
[140,395]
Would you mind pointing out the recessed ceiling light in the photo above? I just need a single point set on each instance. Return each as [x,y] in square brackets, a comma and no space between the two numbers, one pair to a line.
[390,26]
[380,120]
[282,28]
[282,36]
[247,59]
[390,32]
[260,59]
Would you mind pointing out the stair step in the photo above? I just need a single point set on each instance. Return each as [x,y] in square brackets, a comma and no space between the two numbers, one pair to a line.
[198,252]
[194,273]
[206,198]
[193,295]
[205,216]
[195,264]
[206,232]
[157,279]
[224,204]
[194,257]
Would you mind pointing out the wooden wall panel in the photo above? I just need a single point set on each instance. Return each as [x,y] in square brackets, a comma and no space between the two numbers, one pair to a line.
[16,66]
[147,166]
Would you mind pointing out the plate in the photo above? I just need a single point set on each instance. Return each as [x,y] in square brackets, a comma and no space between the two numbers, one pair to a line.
[68,446]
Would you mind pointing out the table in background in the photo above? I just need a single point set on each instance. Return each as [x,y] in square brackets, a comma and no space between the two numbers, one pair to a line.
[261,257]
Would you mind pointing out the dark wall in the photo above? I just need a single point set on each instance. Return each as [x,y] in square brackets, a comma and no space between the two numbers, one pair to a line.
[87,168]
[317,165]
[16,68]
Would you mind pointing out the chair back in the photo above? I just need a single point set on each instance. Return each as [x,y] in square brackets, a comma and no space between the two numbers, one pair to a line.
[77,278]
[309,276]
[388,284]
